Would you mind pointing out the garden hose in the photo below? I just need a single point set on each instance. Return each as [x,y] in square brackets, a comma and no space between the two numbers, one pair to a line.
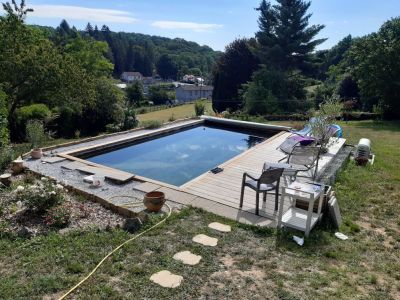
[134,204]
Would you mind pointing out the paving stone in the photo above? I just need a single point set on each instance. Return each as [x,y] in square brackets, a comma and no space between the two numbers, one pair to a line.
[177,196]
[226,211]
[147,187]
[220,227]
[205,240]
[205,204]
[166,279]
[187,258]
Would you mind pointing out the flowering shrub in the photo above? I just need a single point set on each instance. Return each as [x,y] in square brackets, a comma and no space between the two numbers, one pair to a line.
[41,195]
[58,216]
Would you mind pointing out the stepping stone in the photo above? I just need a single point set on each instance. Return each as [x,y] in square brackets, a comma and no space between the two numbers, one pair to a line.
[220,227]
[167,279]
[205,240]
[187,258]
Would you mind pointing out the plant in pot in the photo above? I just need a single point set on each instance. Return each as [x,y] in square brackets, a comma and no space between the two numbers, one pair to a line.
[35,135]
[327,114]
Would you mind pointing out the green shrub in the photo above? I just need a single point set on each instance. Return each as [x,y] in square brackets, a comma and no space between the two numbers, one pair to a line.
[112,128]
[40,196]
[35,133]
[34,111]
[172,118]
[130,120]
[151,124]
[199,107]
[6,156]
[58,216]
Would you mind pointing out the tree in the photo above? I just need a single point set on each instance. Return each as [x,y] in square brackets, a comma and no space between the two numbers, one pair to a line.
[158,95]
[166,67]
[348,88]
[134,93]
[374,61]
[286,39]
[233,69]
[107,109]
[91,55]
[260,94]
[89,29]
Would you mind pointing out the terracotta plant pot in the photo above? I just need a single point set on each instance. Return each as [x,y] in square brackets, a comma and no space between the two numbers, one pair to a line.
[36,153]
[154,201]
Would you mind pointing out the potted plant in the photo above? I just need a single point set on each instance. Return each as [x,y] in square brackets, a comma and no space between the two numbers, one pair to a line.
[327,114]
[35,135]
[154,201]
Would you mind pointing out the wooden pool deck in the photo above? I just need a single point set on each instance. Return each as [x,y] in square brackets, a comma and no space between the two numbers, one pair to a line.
[220,193]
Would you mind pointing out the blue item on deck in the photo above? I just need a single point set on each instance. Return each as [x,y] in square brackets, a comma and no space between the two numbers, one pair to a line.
[306,131]
[339,129]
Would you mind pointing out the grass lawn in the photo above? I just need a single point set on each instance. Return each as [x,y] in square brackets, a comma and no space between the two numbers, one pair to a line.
[248,263]
[177,112]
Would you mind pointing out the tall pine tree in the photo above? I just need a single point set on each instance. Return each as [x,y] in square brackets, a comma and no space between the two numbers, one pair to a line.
[287,41]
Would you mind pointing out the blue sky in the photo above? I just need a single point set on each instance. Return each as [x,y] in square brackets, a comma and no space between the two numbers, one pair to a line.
[210,22]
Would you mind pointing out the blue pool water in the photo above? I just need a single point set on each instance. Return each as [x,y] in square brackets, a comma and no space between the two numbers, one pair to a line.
[179,157]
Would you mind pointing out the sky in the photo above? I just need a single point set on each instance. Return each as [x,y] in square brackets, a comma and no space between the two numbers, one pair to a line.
[215,23]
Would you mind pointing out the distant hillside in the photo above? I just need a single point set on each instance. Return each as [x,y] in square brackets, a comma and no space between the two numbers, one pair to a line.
[142,53]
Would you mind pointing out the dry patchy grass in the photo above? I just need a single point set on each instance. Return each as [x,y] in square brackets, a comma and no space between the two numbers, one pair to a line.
[177,112]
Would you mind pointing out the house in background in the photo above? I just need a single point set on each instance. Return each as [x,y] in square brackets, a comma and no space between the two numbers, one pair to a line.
[192,79]
[188,93]
[131,76]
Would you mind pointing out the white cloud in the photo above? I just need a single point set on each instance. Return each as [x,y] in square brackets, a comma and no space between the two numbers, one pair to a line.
[197,27]
[82,13]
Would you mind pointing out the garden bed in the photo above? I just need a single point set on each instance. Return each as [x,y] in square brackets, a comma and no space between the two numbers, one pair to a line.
[72,212]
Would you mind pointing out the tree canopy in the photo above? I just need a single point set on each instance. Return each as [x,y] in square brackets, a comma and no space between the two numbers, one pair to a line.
[233,69]
[374,61]
[285,36]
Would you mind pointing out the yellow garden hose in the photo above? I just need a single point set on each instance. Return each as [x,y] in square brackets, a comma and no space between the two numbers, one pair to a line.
[120,246]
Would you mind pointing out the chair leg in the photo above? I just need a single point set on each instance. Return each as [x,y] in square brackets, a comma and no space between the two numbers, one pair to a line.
[241,196]
[276,198]
[265,196]
[257,202]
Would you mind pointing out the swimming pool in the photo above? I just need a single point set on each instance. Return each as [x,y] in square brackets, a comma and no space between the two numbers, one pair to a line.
[181,156]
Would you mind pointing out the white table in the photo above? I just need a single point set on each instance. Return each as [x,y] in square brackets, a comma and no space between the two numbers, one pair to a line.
[298,218]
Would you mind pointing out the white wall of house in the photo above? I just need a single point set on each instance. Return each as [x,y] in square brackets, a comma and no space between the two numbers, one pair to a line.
[187,95]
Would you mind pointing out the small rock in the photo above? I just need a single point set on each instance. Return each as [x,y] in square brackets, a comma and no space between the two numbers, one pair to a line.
[24,232]
[132,224]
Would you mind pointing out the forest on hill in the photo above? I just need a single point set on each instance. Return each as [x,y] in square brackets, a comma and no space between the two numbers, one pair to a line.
[149,55]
